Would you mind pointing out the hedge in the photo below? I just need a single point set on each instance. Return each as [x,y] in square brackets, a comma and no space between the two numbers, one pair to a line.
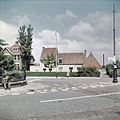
[83,72]
[86,72]
[47,74]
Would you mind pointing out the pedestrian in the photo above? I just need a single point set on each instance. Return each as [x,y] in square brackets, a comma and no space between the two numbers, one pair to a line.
[6,83]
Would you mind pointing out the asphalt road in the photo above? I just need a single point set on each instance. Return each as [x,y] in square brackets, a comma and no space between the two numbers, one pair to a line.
[62,99]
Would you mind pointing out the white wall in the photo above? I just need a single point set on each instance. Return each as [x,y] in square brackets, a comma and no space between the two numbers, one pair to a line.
[60,68]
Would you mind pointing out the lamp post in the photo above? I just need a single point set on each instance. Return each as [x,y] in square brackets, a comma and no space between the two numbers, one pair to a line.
[114,52]
[56,53]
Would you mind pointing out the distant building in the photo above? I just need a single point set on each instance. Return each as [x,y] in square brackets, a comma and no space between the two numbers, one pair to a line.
[15,52]
[67,61]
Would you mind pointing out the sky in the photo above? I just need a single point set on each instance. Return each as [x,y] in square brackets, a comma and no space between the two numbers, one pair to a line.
[71,25]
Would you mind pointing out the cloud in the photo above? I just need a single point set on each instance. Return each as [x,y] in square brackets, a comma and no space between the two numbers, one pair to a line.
[68,14]
[8,32]
[21,20]
[94,31]
[47,38]
[82,29]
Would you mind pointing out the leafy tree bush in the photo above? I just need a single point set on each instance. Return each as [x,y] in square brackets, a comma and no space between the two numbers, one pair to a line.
[86,72]
[8,63]
[14,75]
[109,69]
[49,62]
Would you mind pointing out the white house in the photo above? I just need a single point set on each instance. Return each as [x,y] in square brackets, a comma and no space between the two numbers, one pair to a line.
[66,61]
[15,52]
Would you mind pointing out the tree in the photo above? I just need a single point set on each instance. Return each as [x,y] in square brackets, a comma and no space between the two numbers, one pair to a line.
[49,62]
[25,40]
[8,63]
[2,43]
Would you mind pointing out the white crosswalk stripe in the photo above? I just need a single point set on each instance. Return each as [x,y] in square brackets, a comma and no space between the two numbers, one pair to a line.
[58,89]
[30,93]
[54,90]
[75,88]
[15,94]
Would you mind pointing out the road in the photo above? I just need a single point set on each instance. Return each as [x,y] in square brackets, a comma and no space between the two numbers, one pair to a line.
[62,99]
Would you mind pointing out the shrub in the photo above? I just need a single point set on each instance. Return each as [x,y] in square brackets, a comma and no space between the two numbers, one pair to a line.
[14,74]
[47,74]
[86,72]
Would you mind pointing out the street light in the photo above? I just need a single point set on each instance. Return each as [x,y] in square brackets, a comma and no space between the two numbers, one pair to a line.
[56,53]
[114,52]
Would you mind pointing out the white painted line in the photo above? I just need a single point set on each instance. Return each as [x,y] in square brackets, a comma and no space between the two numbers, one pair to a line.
[45,90]
[30,93]
[93,86]
[84,87]
[38,91]
[42,92]
[75,88]
[53,90]
[77,98]
[15,94]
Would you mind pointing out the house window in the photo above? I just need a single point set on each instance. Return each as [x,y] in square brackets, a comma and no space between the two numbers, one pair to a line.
[60,61]
[14,57]
[18,57]
[70,68]
[15,49]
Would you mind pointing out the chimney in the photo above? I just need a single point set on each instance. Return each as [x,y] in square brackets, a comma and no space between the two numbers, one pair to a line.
[85,52]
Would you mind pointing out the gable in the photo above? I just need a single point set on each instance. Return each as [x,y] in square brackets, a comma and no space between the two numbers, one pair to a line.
[7,52]
[48,51]
[91,61]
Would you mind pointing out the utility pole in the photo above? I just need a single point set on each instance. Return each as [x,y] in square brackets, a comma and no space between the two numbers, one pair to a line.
[103,61]
[56,53]
[114,50]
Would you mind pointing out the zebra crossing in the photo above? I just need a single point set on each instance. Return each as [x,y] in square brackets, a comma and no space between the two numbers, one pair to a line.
[58,89]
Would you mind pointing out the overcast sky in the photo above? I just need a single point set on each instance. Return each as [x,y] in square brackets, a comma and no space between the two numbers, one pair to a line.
[80,24]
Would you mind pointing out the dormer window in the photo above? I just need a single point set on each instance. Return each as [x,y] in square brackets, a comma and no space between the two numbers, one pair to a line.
[15,49]
[60,60]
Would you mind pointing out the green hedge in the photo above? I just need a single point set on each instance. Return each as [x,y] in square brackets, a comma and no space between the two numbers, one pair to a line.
[47,74]
[86,72]
[82,72]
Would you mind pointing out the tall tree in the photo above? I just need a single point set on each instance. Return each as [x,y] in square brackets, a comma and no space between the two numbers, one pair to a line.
[25,40]
[2,44]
